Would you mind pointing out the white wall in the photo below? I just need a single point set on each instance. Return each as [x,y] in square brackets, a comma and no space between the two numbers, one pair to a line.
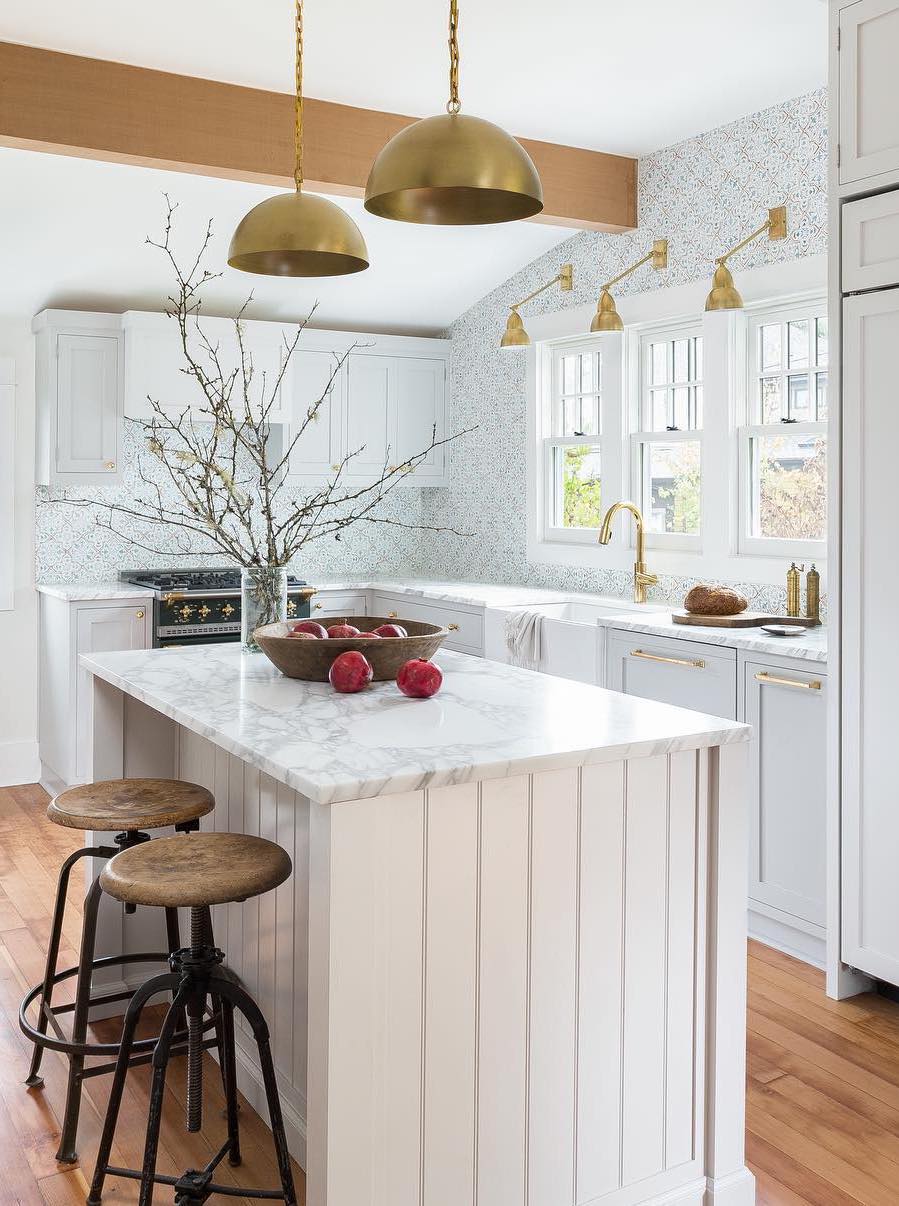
[18,627]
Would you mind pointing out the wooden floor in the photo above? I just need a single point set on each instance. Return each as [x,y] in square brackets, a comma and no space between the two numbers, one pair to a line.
[822,1086]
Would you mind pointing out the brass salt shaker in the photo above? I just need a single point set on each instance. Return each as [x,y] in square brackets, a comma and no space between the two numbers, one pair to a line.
[813,594]
[794,589]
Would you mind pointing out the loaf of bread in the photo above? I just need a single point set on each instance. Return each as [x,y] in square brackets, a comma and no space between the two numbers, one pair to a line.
[714,601]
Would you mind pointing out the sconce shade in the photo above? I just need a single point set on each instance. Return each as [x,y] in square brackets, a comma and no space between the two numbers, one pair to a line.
[515,336]
[606,317]
[453,170]
[724,295]
[298,234]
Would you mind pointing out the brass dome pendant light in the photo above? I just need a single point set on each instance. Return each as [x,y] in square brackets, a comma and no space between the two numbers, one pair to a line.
[453,169]
[296,234]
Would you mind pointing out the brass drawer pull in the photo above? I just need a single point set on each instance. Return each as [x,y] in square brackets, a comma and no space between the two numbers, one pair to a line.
[391,615]
[140,613]
[452,627]
[764,677]
[693,663]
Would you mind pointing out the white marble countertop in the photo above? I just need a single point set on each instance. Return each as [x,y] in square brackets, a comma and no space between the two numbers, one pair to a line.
[489,721]
[74,592]
[810,647]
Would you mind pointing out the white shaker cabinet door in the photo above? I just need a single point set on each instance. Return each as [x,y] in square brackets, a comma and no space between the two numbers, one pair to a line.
[788,760]
[869,97]
[870,653]
[420,416]
[317,450]
[102,630]
[686,674]
[370,415]
[88,407]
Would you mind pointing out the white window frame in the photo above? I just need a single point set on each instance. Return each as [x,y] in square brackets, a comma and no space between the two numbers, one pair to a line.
[752,428]
[609,396]
[641,436]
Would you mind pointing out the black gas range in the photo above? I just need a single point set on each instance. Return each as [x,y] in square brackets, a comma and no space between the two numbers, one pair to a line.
[202,606]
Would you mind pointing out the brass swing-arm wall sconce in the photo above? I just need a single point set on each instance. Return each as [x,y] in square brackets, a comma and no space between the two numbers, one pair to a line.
[724,294]
[515,336]
[607,317]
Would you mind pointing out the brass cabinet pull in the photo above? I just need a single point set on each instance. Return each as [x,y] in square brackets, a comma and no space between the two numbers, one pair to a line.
[140,614]
[391,615]
[318,607]
[452,627]
[109,466]
[764,677]
[693,663]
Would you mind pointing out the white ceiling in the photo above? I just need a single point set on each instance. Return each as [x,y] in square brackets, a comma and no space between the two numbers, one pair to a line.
[72,234]
[627,76]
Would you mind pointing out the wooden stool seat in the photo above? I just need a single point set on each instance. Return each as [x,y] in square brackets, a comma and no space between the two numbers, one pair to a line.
[130,804]
[194,870]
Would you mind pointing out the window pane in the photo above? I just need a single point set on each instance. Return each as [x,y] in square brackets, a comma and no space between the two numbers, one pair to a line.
[570,374]
[799,398]
[697,407]
[797,341]
[658,356]
[576,480]
[681,414]
[671,486]
[770,354]
[587,383]
[681,360]
[697,358]
[821,342]
[789,487]
[571,416]
[589,420]
[772,404]
[821,394]
[658,409]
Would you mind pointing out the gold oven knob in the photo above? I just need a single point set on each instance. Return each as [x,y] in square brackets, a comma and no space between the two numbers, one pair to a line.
[291,607]
[227,610]
[185,612]
[204,612]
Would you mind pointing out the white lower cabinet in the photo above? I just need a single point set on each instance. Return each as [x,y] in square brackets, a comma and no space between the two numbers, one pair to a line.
[785,702]
[327,604]
[687,674]
[69,629]
[466,623]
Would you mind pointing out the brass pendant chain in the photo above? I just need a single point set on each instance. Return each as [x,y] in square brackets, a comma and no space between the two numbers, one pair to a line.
[298,110]
[453,105]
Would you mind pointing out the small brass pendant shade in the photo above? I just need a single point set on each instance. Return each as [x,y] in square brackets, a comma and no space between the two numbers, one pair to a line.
[606,317]
[298,234]
[295,234]
[724,294]
[452,169]
[515,336]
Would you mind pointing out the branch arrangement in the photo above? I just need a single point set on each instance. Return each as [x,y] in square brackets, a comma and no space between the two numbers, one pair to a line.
[230,490]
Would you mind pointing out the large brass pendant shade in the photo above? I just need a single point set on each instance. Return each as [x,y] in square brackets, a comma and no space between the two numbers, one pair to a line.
[453,169]
[298,234]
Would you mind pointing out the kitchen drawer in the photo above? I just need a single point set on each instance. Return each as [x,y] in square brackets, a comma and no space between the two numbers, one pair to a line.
[468,636]
[327,604]
[871,243]
[687,674]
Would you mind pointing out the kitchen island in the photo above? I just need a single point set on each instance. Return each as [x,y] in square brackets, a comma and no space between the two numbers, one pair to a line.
[509,967]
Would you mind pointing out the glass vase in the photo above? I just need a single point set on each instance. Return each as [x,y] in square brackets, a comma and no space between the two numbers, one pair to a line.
[263,600]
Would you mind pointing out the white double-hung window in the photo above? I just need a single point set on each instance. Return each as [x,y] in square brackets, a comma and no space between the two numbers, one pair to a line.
[666,439]
[783,446]
[573,445]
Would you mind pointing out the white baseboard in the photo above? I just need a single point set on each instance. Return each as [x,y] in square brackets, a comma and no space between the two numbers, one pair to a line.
[808,948]
[19,763]
[736,1190]
[249,1081]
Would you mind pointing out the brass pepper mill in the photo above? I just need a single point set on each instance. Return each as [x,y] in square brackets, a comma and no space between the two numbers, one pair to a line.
[813,595]
[794,589]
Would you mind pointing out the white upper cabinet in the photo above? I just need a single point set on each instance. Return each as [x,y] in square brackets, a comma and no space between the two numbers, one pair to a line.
[869,97]
[420,415]
[871,242]
[317,451]
[79,393]
[156,368]
[370,415]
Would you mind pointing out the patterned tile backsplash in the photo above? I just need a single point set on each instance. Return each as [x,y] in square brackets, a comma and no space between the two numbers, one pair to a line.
[703,194]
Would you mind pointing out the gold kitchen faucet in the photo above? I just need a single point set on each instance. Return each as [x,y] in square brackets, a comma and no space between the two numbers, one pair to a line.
[642,577]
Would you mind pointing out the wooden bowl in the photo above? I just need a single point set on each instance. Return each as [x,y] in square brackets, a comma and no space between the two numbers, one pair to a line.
[311,660]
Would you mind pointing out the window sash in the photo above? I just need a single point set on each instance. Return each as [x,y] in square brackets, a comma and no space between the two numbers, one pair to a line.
[640,440]
[552,491]
[648,388]
[783,317]
[770,546]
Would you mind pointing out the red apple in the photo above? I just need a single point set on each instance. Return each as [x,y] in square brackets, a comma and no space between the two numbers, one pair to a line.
[350,672]
[312,627]
[303,636]
[391,630]
[336,631]
[419,679]
[370,634]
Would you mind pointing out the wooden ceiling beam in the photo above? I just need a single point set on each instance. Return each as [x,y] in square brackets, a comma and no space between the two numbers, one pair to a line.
[96,109]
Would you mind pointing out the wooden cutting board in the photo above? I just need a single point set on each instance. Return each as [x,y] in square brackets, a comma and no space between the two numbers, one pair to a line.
[744,619]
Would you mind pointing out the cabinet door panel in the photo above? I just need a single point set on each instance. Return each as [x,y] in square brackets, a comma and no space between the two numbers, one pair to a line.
[787,841]
[318,449]
[420,415]
[466,637]
[686,674]
[370,414]
[871,242]
[869,98]
[87,404]
[102,630]
[870,655]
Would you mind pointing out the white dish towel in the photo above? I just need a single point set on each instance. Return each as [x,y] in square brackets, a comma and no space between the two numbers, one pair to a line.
[524,638]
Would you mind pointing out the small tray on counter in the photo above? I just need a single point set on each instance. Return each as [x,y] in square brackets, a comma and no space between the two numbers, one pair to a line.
[743,619]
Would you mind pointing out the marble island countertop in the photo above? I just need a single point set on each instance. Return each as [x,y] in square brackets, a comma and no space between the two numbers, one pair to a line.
[488,721]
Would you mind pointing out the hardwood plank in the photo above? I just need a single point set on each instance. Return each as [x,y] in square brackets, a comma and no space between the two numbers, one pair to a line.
[95,109]
[793,967]
[769,1192]
[804,1181]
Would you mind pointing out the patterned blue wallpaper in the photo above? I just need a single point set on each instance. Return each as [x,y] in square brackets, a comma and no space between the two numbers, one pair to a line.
[703,195]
